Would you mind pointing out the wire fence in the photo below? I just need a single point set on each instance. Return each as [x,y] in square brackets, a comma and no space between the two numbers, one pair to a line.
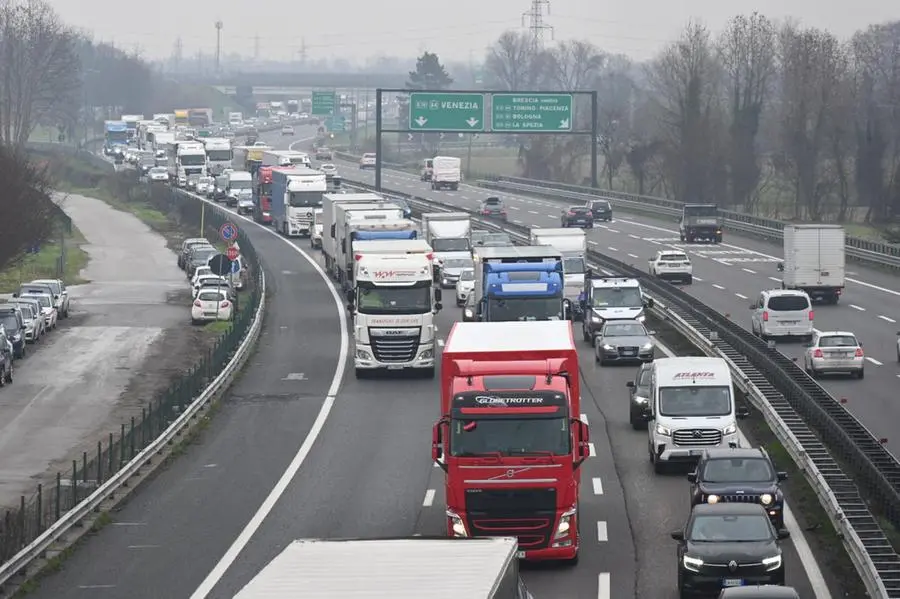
[22,524]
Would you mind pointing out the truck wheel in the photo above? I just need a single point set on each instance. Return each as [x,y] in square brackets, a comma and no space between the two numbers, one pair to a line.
[455,187]
[689,280]
[361,373]
[428,373]
[718,239]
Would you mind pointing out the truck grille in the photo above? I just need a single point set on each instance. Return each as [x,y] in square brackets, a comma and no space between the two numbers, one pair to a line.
[699,437]
[527,514]
[394,348]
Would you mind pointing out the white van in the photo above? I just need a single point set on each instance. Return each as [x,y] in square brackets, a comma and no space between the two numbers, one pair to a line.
[782,313]
[691,408]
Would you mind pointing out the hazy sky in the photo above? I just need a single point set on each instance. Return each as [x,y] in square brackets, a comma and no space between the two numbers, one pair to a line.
[455,29]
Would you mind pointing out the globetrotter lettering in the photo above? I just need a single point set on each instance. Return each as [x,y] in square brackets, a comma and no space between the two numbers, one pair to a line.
[487,399]
[694,375]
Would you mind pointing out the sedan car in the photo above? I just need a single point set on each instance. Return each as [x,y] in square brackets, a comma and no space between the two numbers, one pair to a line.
[493,206]
[451,269]
[465,286]
[330,170]
[60,294]
[600,209]
[158,174]
[34,307]
[623,341]
[287,130]
[323,153]
[211,305]
[577,216]
[48,310]
[832,352]
[638,396]
[367,161]
[728,545]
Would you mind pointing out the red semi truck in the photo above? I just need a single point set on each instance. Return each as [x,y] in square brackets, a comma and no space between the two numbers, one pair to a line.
[263,201]
[510,438]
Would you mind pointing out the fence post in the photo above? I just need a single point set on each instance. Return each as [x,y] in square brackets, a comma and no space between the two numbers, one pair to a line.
[109,448]
[74,484]
[58,510]
[143,427]
[21,521]
[40,509]
[122,446]
[152,433]
[99,463]
[131,439]
[84,468]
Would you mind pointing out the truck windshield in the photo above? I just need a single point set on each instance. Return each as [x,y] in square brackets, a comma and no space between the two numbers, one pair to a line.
[117,136]
[701,211]
[509,309]
[241,184]
[193,160]
[694,401]
[510,436]
[450,245]
[573,266]
[220,155]
[617,297]
[301,199]
[393,300]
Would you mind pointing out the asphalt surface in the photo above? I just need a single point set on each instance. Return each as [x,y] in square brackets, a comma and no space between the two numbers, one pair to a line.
[728,277]
[71,380]
[369,472]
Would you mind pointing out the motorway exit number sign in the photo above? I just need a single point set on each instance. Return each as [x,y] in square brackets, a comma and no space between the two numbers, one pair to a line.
[438,111]
[531,113]
[323,103]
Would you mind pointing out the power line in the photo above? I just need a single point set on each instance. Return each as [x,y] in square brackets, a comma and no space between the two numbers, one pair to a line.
[535,19]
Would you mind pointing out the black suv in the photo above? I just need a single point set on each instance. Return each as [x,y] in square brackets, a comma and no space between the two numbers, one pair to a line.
[739,475]
[493,206]
[578,216]
[638,397]
[728,545]
[11,320]
[600,209]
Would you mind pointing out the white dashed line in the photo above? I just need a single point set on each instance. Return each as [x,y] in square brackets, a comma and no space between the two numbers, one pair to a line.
[859,308]
[613,231]
[654,242]
[602,532]
[598,486]
[718,287]
[696,278]
[633,236]
[886,319]
[740,295]
[518,222]
[429,498]
[603,586]
[752,272]
[593,451]
[632,255]
[874,361]
[584,419]
[514,208]
[593,243]
[776,279]
[464,197]
[612,249]
[533,212]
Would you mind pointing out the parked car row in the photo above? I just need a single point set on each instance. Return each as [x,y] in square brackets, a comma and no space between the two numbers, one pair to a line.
[33,311]
[212,295]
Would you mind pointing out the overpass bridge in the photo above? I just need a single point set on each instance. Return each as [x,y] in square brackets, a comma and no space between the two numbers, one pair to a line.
[292,83]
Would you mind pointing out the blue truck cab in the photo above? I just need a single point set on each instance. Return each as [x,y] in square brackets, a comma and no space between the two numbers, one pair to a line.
[518,283]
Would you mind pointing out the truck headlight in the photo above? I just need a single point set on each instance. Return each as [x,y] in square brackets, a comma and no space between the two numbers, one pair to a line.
[457,525]
[663,430]
[692,563]
[730,429]
[766,498]
[469,313]
[712,499]
[565,523]
[772,563]
[428,354]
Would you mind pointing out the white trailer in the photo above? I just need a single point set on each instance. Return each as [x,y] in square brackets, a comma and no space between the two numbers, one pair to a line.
[572,244]
[330,202]
[814,260]
[446,172]
[366,221]
[285,158]
[449,233]
[219,154]
[482,568]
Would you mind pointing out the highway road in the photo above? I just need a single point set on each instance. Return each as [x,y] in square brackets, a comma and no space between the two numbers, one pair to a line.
[291,456]
[728,277]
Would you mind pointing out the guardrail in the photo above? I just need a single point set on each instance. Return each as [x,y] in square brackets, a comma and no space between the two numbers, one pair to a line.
[142,443]
[782,392]
[861,250]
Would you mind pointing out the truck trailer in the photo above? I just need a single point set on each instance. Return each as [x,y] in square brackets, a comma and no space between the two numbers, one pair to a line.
[814,261]
[393,568]
[448,233]
[446,172]
[354,222]
[510,438]
[572,244]
[519,283]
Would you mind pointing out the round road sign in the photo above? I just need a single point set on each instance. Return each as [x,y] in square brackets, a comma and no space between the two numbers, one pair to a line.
[228,232]
[232,253]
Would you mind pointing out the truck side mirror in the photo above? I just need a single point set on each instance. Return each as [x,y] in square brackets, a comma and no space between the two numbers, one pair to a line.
[438,294]
[692,477]
[582,440]
[437,443]
[351,295]
[650,302]
[589,273]
[630,384]
[438,306]
[350,307]
[780,267]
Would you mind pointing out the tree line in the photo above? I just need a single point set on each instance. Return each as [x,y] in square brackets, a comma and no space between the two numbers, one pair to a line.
[773,118]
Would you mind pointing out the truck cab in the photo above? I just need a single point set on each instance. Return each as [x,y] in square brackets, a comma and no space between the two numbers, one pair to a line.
[572,244]
[519,284]
[239,191]
[446,172]
[427,169]
[510,439]
[701,222]
[611,298]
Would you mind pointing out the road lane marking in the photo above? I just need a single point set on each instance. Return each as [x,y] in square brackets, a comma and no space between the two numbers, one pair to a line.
[752,272]
[717,286]
[593,242]
[874,361]
[514,208]
[598,486]
[741,295]
[696,278]
[613,230]
[429,498]
[533,212]
[886,319]
[602,532]
[612,249]
[584,419]
[593,451]
[633,236]
[777,280]
[632,255]
[603,586]
[858,308]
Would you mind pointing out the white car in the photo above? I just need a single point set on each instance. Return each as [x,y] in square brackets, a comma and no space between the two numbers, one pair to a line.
[329,169]
[287,130]
[672,265]
[834,352]
[48,310]
[465,285]
[367,161]
[199,272]
[33,307]
[211,305]
[203,185]
[61,293]
[208,279]
[158,174]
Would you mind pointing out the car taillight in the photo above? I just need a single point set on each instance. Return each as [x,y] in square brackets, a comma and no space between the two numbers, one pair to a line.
[571,214]
[197,303]
[224,304]
[811,314]
[766,316]
[818,354]
[859,352]
[485,211]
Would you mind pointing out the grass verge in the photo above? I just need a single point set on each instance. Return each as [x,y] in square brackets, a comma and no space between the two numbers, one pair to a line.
[62,259]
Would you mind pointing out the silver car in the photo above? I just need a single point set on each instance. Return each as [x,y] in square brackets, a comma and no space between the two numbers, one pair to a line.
[834,352]
[34,309]
[451,270]
[623,341]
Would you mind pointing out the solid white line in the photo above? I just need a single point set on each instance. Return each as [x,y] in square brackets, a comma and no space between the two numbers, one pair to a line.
[612,249]
[874,361]
[429,498]
[752,272]
[593,451]
[885,318]
[776,279]
[584,419]
[718,286]
[855,307]
[740,295]
[603,586]
[598,486]
[632,255]
[220,569]
[602,532]
[696,278]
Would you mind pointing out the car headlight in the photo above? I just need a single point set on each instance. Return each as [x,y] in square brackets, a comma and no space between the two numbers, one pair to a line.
[712,499]
[595,318]
[609,347]
[457,524]
[469,313]
[646,346]
[766,498]
[565,523]
[772,563]
[692,563]
[641,318]
[730,429]
[665,431]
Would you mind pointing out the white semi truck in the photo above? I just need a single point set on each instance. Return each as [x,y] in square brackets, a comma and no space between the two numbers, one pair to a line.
[219,154]
[187,160]
[572,244]
[296,193]
[449,233]
[330,202]
[814,261]
[393,303]
[365,222]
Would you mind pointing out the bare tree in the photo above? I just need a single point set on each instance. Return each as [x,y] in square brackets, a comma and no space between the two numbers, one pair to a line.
[29,215]
[512,63]
[747,53]
[617,93]
[39,69]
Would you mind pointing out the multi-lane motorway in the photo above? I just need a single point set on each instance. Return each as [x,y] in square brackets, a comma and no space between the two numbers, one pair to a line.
[299,450]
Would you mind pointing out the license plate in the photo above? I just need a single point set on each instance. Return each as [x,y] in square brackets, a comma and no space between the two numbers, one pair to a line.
[695,452]
[733,582]
[789,321]
[209,314]
[395,367]
[520,554]
[627,353]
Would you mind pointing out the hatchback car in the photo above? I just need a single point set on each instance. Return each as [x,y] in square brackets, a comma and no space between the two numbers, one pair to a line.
[367,161]
[671,265]
[60,294]
[623,341]
[577,216]
[493,206]
[465,286]
[211,305]
[48,310]
[323,153]
[601,210]
[639,395]
[287,130]
[782,313]
[834,352]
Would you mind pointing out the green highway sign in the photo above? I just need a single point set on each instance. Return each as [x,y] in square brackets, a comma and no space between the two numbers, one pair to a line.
[323,103]
[531,113]
[440,111]
[335,123]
